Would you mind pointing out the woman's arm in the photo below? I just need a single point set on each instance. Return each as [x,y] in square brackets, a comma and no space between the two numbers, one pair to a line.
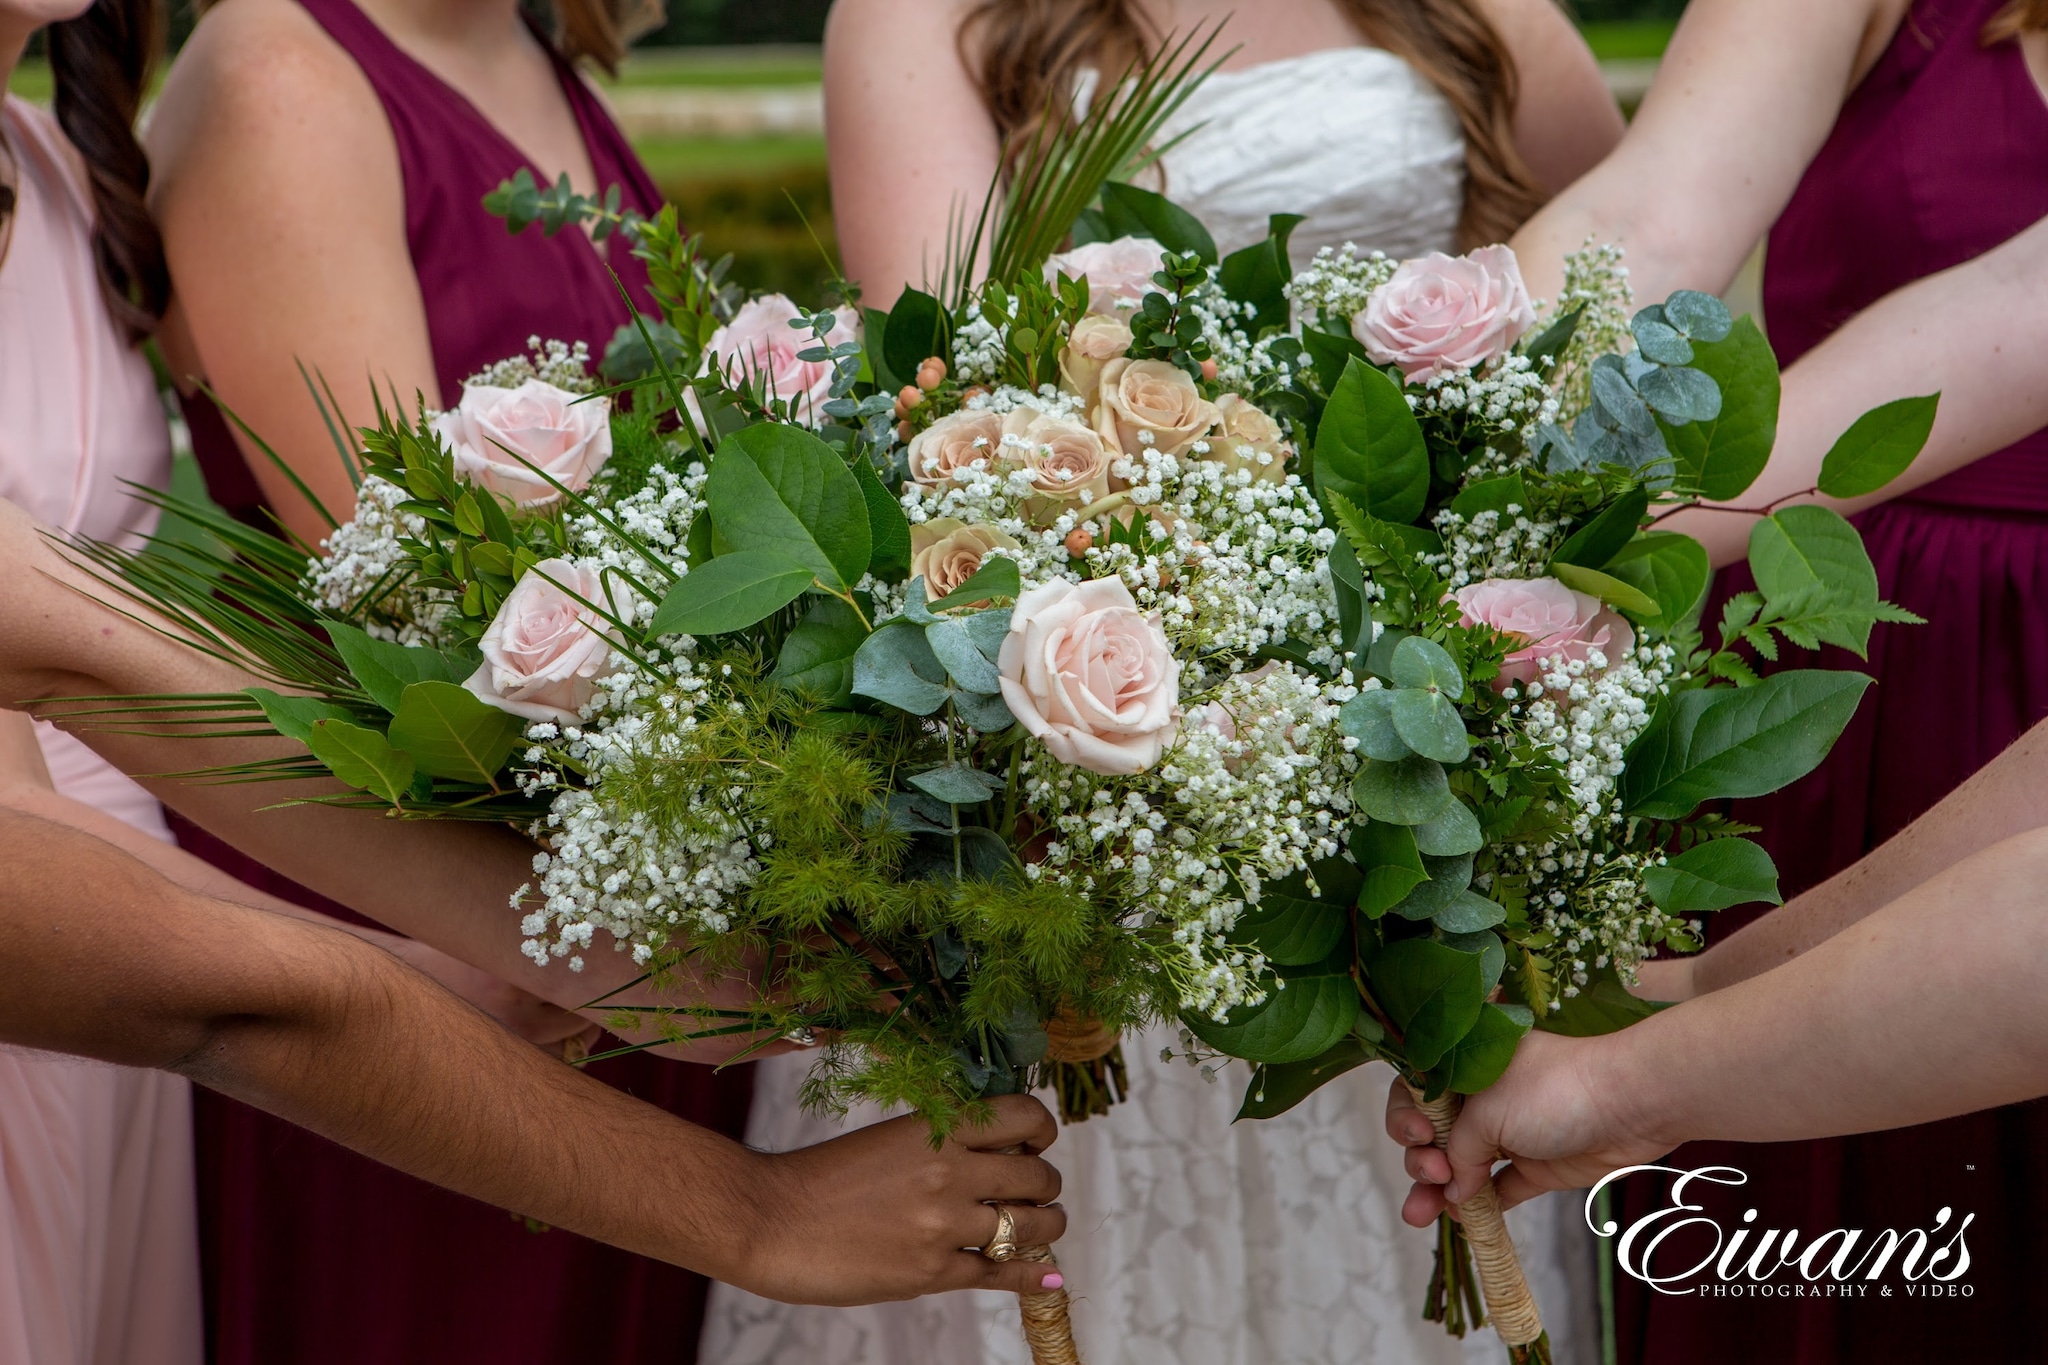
[2006,797]
[1566,119]
[277,184]
[1746,95]
[1928,1008]
[1977,334]
[103,957]
[911,142]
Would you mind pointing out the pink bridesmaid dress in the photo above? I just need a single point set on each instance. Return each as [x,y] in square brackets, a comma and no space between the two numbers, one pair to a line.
[99,1254]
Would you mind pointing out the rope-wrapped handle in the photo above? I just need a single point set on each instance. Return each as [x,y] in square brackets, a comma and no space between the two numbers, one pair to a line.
[1508,1301]
[1048,1330]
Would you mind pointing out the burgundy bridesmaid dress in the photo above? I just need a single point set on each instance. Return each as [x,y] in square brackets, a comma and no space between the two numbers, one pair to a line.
[1939,156]
[314,1255]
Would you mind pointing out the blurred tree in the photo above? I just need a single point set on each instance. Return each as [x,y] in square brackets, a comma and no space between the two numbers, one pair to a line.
[1611,11]
[699,22]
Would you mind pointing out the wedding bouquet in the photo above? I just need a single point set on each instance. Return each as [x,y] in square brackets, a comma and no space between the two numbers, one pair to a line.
[1132,634]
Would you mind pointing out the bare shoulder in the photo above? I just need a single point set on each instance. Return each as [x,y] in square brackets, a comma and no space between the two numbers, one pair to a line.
[1538,33]
[874,37]
[261,81]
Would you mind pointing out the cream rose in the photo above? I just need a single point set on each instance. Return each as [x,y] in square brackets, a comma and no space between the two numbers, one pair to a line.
[947,551]
[545,651]
[1091,677]
[942,450]
[492,429]
[1067,462]
[1119,273]
[1095,341]
[1441,314]
[1149,404]
[760,346]
[1246,438]
[1549,619]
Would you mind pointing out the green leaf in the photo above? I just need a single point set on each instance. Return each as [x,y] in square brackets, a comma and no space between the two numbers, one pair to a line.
[1603,1005]
[1878,447]
[896,665]
[778,489]
[294,717]
[1451,833]
[997,577]
[1369,719]
[1602,538]
[918,329]
[1425,663]
[963,660]
[1613,591]
[1720,458]
[1329,353]
[1369,447]
[1407,791]
[1550,343]
[1392,867]
[1709,743]
[1483,1054]
[957,785]
[1302,1019]
[1701,317]
[1432,992]
[1132,212]
[730,593]
[1670,569]
[1810,562]
[361,758]
[1430,725]
[1448,879]
[817,657]
[1276,1089]
[451,732]
[888,528]
[385,669]
[1713,876]
[1469,913]
[1291,931]
[1259,274]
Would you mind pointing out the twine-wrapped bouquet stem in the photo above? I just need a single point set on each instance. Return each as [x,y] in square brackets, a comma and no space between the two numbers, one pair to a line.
[1509,1304]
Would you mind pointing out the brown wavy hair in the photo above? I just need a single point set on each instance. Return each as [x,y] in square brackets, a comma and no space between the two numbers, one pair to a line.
[1028,54]
[2018,16]
[101,62]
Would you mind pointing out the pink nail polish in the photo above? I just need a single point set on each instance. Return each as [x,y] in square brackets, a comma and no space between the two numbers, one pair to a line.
[1053,1281]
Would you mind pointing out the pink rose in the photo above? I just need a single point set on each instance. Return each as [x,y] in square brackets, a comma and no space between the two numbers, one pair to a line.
[1550,619]
[1091,677]
[1149,403]
[563,433]
[1119,273]
[759,346]
[942,451]
[1441,314]
[545,651]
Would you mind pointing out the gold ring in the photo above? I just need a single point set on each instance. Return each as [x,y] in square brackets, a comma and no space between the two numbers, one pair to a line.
[1003,1245]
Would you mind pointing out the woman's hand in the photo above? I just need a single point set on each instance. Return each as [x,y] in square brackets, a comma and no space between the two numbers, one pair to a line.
[883,1214]
[1549,1115]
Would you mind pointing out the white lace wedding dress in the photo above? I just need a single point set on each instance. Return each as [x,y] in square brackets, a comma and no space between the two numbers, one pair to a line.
[1193,1241]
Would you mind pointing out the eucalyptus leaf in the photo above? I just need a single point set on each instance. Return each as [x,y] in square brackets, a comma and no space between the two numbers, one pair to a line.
[1469,913]
[1707,744]
[1699,316]
[957,785]
[896,665]
[989,714]
[1681,394]
[1408,791]
[1426,664]
[1431,726]
[1713,875]
[1390,863]
[1369,719]
[1660,341]
[963,660]
[1448,879]
[1454,831]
